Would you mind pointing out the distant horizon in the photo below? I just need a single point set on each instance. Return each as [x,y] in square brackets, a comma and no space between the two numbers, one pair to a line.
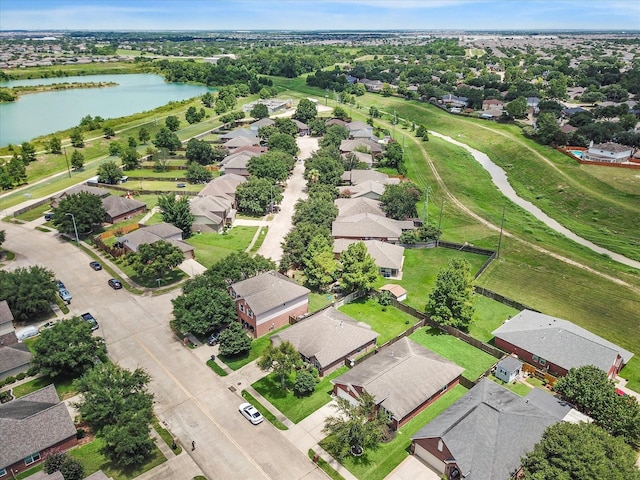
[319,30]
[308,15]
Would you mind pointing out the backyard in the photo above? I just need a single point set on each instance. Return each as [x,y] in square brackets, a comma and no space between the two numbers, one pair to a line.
[212,247]
[257,347]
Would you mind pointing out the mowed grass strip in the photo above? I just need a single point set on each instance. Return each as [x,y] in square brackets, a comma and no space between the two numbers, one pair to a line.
[293,407]
[474,361]
[257,347]
[212,247]
[389,323]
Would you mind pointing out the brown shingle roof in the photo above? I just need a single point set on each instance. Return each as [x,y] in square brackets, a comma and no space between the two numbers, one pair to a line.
[118,206]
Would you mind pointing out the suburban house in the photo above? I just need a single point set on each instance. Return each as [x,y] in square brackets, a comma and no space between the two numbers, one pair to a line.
[404,378]
[371,146]
[274,105]
[398,292]
[368,226]
[353,206]
[556,345]
[328,339]
[263,122]
[369,189]
[358,176]
[32,426]
[568,112]
[303,128]
[608,152]
[162,231]
[241,132]
[265,302]
[361,130]
[508,369]
[335,121]
[454,101]
[223,186]
[15,357]
[492,104]
[360,157]
[372,85]
[241,141]
[483,435]
[211,214]
[101,192]
[120,208]
[236,163]
[389,258]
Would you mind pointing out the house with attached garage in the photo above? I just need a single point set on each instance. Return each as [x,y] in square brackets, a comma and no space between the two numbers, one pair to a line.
[15,356]
[404,378]
[211,214]
[120,208]
[265,302]
[163,231]
[388,257]
[484,434]
[609,152]
[328,338]
[32,426]
[224,186]
[368,226]
[555,345]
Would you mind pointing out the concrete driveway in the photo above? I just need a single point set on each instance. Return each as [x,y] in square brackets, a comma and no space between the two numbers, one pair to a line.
[296,190]
[412,468]
[196,404]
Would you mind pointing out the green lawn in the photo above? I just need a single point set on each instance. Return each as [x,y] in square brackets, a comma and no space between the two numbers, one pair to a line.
[291,406]
[518,388]
[474,361]
[421,266]
[319,300]
[263,410]
[257,347]
[64,387]
[92,460]
[489,314]
[378,464]
[212,247]
[389,323]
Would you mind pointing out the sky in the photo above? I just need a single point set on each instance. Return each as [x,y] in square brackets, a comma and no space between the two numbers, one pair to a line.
[319,14]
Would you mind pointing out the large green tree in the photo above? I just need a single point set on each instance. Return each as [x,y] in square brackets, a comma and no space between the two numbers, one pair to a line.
[399,201]
[165,138]
[130,158]
[282,359]
[143,135]
[234,340]
[77,138]
[109,172]
[355,426]
[202,310]
[517,108]
[582,451]
[333,136]
[199,151]
[155,260]
[255,195]
[305,111]
[320,266]
[17,170]
[84,208]
[327,165]
[69,467]
[317,209]
[259,111]
[172,123]
[450,301]
[55,145]
[296,242]
[359,270]
[28,153]
[274,165]
[196,173]
[77,160]
[67,349]
[283,142]
[28,291]
[176,211]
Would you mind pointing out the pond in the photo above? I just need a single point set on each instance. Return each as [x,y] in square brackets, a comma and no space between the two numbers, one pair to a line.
[36,114]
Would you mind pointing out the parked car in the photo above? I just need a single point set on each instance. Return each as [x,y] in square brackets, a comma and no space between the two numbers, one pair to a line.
[95,265]
[59,284]
[115,283]
[65,295]
[213,339]
[87,317]
[48,216]
[49,324]
[251,413]
[27,332]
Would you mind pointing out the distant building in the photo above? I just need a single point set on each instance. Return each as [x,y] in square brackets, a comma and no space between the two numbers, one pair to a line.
[608,152]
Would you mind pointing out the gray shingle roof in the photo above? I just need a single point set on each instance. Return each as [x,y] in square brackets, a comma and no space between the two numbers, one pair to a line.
[5,312]
[510,364]
[225,185]
[13,356]
[329,335]
[116,206]
[351,145]
[241,141]
[386,255]
[136,238]
[242,132]
[353,206]
[267,291]
[359,176]
[402,376]
[488,430]
[33,423]
[368,225]
[164,230]
[559,341]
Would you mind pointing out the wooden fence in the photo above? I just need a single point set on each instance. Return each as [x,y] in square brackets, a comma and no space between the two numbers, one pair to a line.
[502,299]
[119,231]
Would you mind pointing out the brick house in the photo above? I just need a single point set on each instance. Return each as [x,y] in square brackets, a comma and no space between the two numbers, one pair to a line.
[120,208]
[31,427]
[265,302]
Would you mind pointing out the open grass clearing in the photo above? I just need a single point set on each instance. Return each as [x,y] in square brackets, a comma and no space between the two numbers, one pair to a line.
[489,314]
[623,179]
[64,387]
[319,300]
[388,322]
[212,247]
[474,361]
[516,387]
[293,407]
[376,465]
[257,347]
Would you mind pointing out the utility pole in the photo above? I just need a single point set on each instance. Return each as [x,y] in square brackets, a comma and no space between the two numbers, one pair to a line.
[426,205]
[75,229]
[67,160]
[439,223]
[500,238]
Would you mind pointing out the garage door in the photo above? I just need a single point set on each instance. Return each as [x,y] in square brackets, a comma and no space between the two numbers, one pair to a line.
[435,463]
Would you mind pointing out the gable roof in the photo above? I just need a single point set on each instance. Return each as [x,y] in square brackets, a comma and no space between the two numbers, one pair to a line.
[559,341]
[611,147]
[241,132]
[163,229]
[352,206]
[386,255]
[207,206]
[510,364]
[137,237]
[267,291]
[300,125]
[356,177]
[101,192]
[263,122]
[327,336]
[224,185]
[392,376]
[14,356]
[362,157]
[394,289]
[351,145]
[241,141]
[368,225]
[116,206]
[33,423]
[363,188]
[5,312]
[488,430]
[351,126]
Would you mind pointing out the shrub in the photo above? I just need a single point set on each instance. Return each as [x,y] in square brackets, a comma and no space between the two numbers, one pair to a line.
[21,376]
[305,383]
[9,380]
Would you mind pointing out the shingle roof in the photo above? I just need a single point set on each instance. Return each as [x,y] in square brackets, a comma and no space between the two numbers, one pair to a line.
[510,364]
[136,238]
[242,156]
[13,356]
[361,156]
[242,132]
[241,141]
[488,430]
[363,188]
[395,289]
[263,122]
[5,312]
[163,229]
[33,423]
[224,185]
[267,291]
[351,126]
[559,341]
[368,225]
[351,145]
[392,376]
[611,147]
[206,206]
[116,206]
[353,206]
[329,336]
[356,177]
[386,255]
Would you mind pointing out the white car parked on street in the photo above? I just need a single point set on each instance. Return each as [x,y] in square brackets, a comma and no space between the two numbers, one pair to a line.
[251,413]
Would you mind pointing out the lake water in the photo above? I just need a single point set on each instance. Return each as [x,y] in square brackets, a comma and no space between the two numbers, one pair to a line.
[36,114]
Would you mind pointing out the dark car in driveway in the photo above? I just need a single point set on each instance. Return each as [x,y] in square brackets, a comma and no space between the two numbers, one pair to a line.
[213,339]
[87,317]
[95,265]
[115,283]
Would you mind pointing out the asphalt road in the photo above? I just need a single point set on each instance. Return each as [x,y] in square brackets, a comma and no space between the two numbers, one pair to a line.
[195,403]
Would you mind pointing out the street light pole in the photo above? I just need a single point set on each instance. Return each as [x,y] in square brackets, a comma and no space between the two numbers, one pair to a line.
[67,160]
[75,229]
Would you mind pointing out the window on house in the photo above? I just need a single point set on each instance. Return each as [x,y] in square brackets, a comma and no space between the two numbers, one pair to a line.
[443,388]
[440,445]
[534,358]
[241,307]
[543,361]
[3,472]
[233,294]
[250,312]
[32,458]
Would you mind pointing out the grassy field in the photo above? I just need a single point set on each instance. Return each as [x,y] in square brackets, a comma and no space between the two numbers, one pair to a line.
[389,323]
[212,247]
[78,69]
[378,464]
[474,361]
[291,406]
[623,179]
[489,315]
